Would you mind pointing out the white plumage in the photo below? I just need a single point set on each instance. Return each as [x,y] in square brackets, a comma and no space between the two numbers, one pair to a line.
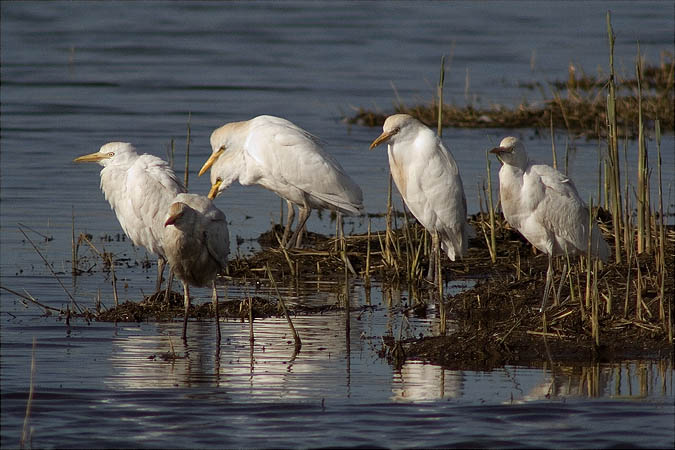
[280,156]
[140,189]
[545,207]
[197,243]
[428,179]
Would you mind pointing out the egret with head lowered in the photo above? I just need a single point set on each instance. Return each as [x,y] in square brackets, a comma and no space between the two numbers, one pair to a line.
[428,179]
[140,189]
[197,243]
[280,156]
[545,207]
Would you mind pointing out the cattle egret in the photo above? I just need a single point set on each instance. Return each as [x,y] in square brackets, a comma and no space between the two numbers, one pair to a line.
[544,206]
[428,179]
[140,189]
[285,159]
[197,243]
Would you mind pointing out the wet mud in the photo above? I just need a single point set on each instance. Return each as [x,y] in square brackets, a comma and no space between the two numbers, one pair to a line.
[494,323]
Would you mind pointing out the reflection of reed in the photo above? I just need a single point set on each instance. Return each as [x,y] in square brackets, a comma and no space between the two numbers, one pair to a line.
[625,380]
[268,368]
[417,381]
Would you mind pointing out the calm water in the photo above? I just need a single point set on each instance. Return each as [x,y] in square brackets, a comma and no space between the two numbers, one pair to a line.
[76,75]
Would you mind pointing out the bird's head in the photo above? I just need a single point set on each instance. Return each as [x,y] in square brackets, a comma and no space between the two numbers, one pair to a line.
[395,126]
[221,141]
[112,151]
[511,151]
[177,211]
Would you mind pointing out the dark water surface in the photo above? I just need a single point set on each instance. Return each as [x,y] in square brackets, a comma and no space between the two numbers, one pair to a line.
[76,75]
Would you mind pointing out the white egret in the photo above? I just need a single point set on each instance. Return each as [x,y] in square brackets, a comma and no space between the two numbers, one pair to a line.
[428,179]
[545,207]
[140,189]
[196,242]
[280,156]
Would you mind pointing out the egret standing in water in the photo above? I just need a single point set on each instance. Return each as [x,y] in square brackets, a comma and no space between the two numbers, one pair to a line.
[544,206]
[428,179]
[196,242]
[280,156]
[140,189]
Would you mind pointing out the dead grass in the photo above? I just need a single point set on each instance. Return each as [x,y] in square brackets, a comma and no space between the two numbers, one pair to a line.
[577,105]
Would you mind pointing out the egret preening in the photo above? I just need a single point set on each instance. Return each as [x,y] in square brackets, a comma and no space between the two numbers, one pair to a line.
[544,206]
[140,189]
[428,179]
[196,242]
[280,156]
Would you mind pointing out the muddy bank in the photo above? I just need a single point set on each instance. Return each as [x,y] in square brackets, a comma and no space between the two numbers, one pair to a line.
[496,322]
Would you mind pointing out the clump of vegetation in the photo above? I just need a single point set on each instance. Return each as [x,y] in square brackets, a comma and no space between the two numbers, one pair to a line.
[578,105]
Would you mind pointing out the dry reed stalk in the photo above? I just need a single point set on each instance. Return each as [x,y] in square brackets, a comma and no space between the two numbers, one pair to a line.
[439,278]
[555,158]
[27,432]
[296,336]
[291,266]
[31,299]
[114,279]
[567,155]
[74,261]
[642,169]
[187,151]
[600,180]
[612,141]
[605,185]
[173,151]
[493,244]
[662,236]
[367,256]
[588,252]
[388,234]
[441,80]
[49,266]
[596,323]
[639,284]
[627,220]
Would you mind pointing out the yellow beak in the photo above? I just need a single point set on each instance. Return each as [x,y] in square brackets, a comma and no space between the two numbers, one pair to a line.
[381,138]
[209,162]
[214,189]
[92,157]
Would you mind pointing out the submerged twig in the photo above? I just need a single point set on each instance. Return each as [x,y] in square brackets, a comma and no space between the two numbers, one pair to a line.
[49,266]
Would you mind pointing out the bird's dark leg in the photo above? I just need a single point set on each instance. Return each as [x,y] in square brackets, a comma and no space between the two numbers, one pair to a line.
[341,232]
[549,278]
[305,211]
[562,282]
[169,284]
[289,222]
[161,263]
[186,297]
[431,273]
[215,309]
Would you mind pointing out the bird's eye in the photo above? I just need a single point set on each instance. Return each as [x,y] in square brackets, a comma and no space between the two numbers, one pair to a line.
[222,148]
[111,154]
[397,129]
[219,180]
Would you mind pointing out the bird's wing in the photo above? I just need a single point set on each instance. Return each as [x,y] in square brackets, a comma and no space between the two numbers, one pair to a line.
[289,154]
[217,236]
[560,209]
[151,187]
[212,224]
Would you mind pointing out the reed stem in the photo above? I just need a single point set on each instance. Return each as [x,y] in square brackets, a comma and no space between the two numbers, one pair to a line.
[491,209]
[187,151]
[612,141]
